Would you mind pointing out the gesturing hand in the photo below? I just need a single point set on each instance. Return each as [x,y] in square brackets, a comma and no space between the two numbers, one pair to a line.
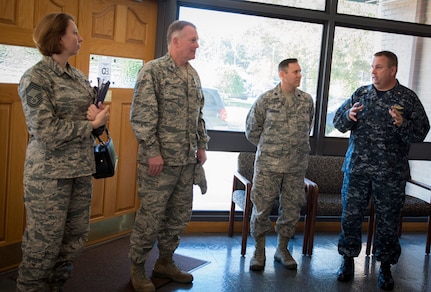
[353,112]
[397,115]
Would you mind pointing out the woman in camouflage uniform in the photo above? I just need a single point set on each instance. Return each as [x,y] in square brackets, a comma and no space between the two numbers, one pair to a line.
[57,100]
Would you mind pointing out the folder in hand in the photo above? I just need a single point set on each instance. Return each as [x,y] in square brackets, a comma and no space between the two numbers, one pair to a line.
[101,91]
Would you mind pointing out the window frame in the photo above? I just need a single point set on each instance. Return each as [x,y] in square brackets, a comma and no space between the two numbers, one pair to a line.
[330,19]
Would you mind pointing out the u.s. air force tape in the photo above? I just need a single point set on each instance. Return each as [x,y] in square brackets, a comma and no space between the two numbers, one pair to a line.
[34,96]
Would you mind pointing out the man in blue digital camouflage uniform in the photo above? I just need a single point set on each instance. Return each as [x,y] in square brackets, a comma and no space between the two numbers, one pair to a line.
[279,124]
[384,119]
[166,117]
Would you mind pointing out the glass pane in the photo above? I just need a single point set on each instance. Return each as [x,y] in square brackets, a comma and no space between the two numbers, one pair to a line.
[121,72]
[416,11]
[351,66]
[316,4]
[238,58]
[219,170]
[15,61]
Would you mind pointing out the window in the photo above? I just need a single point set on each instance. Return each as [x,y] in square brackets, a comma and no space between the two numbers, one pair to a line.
[351,66]
[242,42]
[219,170]
[9,56]
[416,11]
[238,58]
[316,4]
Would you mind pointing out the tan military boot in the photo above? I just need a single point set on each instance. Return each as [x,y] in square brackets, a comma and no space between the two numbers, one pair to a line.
[283,256]
[165,267]
[139,280]
[257,262]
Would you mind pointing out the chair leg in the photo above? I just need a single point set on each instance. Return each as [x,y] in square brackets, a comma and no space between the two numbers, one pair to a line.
[311,233]
[306,233]
[245,231]
[374,239]
[370,231]
[400,226]
[312,221]
[246,221]
[428,244]
[231,219]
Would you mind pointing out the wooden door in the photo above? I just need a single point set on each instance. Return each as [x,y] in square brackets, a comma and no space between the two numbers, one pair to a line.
[116,28]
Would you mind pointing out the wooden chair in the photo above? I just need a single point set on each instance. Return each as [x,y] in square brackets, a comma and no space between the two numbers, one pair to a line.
[325,171]
[241,192]
[417,204]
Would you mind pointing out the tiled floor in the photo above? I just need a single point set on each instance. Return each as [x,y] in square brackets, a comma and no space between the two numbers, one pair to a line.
[227,271]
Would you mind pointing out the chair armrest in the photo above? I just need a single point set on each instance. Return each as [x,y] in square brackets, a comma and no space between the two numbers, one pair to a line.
[309,184]
[239,177]
[420,184]
[418,190]
[312,190]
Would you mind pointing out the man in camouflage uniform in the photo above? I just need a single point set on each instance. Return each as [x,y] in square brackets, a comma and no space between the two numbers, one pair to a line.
[279,124]
[166,116]
[384,119]
[57,100]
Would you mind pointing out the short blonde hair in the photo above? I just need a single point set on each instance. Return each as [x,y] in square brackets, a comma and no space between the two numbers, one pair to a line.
[48,32]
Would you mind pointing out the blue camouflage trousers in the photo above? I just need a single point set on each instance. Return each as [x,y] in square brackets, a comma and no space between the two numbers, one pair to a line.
[57,225]
[388,194]
[288,189]
[164,212]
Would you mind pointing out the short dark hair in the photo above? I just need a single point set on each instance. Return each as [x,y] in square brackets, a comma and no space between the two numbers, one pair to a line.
[175,26]
[285,63]
[392,58]
[48,32]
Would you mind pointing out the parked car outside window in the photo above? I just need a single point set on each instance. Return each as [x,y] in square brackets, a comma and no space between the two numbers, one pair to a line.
[214,111]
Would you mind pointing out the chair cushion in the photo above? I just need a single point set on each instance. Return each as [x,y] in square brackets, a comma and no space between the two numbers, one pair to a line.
[329,205]
[238,197]
[326,172]
[414,207]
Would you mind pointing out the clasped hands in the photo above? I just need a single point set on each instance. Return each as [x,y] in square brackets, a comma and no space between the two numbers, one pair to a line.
[98,116]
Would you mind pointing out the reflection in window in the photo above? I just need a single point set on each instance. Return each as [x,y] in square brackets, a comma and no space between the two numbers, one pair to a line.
[415,11]
[351,66]
[239,58]
[15,60]
[316,4]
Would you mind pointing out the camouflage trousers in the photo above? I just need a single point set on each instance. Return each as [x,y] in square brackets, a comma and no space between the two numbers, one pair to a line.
[164,212]
[288,190]
[388,196]
[57,225]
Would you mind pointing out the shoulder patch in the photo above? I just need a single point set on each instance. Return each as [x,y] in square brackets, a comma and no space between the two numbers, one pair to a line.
[34,96]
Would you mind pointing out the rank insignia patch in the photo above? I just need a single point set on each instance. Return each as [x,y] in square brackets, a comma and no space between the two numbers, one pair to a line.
[34,96]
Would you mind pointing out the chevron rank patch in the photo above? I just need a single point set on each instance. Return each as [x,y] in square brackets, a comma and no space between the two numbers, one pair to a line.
[34,96]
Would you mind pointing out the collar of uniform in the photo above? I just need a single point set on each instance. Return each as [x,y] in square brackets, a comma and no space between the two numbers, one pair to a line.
[277,91]
[171,64]
[51,63]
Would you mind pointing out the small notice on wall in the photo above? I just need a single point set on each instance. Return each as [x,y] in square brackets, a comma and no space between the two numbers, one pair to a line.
[105,69]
